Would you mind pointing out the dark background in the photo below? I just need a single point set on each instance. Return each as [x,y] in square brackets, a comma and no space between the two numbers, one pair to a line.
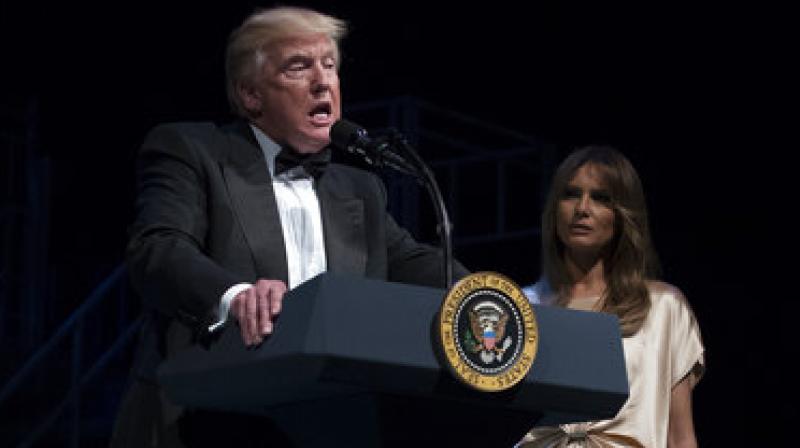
[686,91]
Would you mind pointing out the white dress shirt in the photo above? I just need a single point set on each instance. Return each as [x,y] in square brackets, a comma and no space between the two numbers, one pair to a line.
[301,222]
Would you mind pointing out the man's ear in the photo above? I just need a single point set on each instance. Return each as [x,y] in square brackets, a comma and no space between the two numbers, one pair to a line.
[250,98]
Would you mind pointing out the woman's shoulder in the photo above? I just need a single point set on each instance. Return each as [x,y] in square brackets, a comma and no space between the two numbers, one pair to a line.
[661,289]
[667,297]
[539,292]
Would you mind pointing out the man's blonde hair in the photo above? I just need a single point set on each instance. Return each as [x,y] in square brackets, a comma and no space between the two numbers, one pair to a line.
[244,55]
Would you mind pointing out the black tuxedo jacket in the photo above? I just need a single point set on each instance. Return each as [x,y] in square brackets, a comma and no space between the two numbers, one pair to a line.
[206,219]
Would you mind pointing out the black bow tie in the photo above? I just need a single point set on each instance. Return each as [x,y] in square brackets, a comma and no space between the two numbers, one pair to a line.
[314,164]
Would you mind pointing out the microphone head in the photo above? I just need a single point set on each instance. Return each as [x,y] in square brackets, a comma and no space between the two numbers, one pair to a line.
[345,133]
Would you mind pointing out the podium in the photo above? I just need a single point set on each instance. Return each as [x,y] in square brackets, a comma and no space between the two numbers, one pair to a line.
[353,362]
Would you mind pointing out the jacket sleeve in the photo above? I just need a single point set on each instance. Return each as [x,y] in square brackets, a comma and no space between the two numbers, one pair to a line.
[166,255]
[411,261]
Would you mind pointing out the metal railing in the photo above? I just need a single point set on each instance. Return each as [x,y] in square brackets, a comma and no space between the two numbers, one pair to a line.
[70,338]
[24,231]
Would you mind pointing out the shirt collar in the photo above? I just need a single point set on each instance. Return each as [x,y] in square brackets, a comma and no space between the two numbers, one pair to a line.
[268,147]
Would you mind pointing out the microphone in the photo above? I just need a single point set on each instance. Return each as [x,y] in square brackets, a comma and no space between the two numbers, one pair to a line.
[375,151]
[345,133]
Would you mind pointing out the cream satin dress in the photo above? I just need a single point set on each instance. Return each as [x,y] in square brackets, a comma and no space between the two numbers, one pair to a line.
[665,350]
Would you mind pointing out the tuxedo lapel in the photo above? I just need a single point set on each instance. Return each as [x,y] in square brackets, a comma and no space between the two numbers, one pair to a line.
[343,224]
[250,190]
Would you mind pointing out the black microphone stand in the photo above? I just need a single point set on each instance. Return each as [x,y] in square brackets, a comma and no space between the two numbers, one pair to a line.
[426,177]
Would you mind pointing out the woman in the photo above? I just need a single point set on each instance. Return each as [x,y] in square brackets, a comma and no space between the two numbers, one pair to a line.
[598,256]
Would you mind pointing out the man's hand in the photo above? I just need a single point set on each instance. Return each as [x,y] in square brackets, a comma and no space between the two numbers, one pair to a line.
[256,308]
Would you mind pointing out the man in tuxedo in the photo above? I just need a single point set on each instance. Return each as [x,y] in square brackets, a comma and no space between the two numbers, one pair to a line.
[229,218]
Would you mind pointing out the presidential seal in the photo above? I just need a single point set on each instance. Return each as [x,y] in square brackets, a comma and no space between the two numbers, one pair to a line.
[488,332]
